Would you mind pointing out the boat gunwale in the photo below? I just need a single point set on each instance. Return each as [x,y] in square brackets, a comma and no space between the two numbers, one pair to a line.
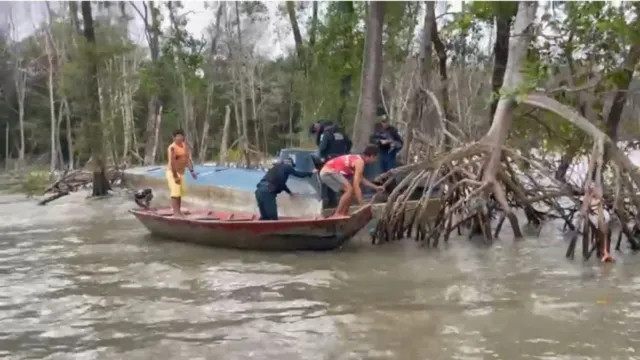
[152,214]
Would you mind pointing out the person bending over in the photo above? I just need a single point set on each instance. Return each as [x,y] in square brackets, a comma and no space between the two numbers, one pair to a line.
[179,159]
[335,172]
[273,183]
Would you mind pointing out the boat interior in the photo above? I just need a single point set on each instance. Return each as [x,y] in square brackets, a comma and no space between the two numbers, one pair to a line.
[209,215]
[205,215]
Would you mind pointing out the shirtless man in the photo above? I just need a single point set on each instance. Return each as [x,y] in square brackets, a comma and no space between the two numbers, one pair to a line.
[599,216]
[179,159]
[334,174]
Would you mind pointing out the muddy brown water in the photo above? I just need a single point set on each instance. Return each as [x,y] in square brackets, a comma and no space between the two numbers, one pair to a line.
[82,280]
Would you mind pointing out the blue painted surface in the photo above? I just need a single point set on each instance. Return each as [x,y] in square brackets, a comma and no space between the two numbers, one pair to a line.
[240,179]
[302,159]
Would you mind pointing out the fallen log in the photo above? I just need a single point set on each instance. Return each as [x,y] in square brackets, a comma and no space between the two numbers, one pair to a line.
[74,180]
[53,197]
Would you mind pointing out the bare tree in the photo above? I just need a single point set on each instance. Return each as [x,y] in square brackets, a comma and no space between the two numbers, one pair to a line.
[372,72]
[20,81]
[150,15]
[91,123]
[51,55]
[420,84]
[224,143]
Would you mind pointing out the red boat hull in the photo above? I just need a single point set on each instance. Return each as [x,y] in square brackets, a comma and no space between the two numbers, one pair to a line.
[243,231]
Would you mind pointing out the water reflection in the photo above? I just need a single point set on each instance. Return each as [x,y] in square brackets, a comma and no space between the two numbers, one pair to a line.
[81,280]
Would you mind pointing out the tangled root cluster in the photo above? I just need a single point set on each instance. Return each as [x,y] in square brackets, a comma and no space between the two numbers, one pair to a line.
[460,195]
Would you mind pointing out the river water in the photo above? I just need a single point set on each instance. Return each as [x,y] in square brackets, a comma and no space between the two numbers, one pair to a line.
[82,280]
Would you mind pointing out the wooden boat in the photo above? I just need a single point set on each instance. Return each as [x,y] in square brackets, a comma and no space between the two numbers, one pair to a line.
[244,231]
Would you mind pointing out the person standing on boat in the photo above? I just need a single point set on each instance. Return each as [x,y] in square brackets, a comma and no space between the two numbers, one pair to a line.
[332,142]
[273,183]
[179,160]
[335,172]
[330,139]
[389,142]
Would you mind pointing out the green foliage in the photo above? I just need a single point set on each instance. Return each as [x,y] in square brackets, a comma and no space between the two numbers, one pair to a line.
[35,182]
[290,95]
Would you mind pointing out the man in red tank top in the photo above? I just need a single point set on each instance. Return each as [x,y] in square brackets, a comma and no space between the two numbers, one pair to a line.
[335,171]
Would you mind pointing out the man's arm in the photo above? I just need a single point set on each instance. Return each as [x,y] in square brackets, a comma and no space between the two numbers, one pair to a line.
[171,165]
[325,141]
[396,137]
[300,174]
[374,139]
[357,178]
[348,142]
[287,190]
[189,162]
[370,184]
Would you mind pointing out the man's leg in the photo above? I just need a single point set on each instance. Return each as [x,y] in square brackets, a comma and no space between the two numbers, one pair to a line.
[603,225]
[260,202]
[175,192]
[384,162]
[337,183]
[175,206]
[345,202]
[392,162]
[270,206]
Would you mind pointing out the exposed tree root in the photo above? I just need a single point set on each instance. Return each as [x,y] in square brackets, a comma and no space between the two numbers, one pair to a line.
[470,198]
[480,181]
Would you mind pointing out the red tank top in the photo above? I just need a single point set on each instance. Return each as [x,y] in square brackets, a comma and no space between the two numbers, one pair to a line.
[343,164]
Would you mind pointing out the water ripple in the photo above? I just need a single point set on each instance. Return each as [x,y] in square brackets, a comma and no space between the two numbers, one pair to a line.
[82,280]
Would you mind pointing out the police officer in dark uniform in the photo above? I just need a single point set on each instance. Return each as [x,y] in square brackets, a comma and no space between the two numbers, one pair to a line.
[388,140]
[273,183]
[332,142]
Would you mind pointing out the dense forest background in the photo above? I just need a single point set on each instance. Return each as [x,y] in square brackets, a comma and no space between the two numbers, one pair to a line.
[79,87]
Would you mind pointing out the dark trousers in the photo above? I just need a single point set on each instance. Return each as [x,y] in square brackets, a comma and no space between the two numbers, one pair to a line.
[387,160]
[266,203]
[329,197]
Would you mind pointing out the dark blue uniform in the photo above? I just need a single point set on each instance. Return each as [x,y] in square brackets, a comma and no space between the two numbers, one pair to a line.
[387,152]
[272,184]
[331,140]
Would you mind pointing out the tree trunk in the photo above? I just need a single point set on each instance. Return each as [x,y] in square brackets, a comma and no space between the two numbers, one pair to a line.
[346,81]
[502,119]
[254,107]
[92,122]
[370,92]
[444,78]
[152,131]
[291,10]
[21,83]
[620,98]
[6,147]
[314,27]
[224,143]
[52,110]
[202,153]
[154,150]
[58,132]
[67,117]
[500,51]
[421,83]
[243,103]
